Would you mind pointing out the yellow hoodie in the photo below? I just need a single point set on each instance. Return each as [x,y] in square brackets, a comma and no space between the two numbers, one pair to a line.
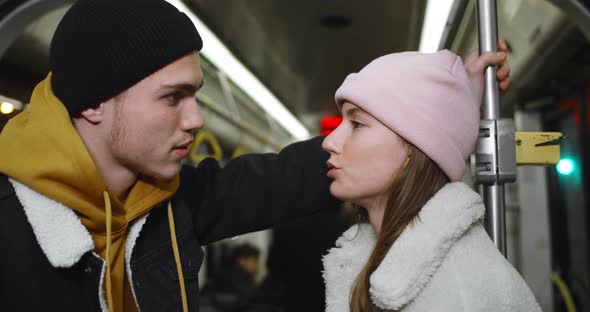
[42,149]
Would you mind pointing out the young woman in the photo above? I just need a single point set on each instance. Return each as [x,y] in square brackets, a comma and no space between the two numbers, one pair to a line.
[410,122]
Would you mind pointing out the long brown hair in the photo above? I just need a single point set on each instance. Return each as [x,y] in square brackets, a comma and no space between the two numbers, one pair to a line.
[416,183]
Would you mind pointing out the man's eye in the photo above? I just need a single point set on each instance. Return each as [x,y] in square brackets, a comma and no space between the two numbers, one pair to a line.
[174,98]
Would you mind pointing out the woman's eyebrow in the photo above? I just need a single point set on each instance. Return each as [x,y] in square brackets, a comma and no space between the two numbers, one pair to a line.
[353,112]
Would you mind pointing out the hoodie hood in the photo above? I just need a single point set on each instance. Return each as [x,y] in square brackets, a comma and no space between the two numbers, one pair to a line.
[42,150]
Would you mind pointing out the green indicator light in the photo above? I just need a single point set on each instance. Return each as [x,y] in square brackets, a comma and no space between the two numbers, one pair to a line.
[565,166]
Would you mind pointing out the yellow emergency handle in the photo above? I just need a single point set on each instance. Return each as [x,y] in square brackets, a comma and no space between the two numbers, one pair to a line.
[238,152]
[205,137]
[537,148]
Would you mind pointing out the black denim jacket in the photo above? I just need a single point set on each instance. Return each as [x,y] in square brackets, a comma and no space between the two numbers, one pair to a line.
[250,193]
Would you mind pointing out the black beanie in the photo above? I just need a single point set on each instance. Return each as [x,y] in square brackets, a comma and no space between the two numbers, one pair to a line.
[103,47]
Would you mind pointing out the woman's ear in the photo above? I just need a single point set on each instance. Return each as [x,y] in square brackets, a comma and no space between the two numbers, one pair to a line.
[408,149]
[407,161]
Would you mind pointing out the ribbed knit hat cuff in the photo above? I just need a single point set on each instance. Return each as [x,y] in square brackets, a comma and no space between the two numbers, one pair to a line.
[405,120]
[147,50]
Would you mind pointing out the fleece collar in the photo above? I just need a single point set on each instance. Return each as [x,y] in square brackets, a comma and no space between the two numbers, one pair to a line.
[58,230]
[412,260]
[60,233]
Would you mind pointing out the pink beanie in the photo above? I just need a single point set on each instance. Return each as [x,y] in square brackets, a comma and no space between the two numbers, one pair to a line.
[426,98]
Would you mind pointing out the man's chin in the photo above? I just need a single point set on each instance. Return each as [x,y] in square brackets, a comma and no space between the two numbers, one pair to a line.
[163,176]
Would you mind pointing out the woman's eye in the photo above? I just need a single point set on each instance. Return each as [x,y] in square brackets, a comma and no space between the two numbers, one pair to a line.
[356,124]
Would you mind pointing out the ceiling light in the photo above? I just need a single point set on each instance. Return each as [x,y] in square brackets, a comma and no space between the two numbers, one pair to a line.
[8,105]
[435,19]
[218,54]
[6,108]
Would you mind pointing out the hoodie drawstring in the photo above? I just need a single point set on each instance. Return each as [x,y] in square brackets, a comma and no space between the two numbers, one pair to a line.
[109,215]
[107,203]
[177,258]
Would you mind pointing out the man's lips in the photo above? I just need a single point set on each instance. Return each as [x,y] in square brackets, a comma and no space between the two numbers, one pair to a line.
[182,148]
[182,152]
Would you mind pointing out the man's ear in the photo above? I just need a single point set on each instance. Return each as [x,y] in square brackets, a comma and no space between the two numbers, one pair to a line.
[94,115]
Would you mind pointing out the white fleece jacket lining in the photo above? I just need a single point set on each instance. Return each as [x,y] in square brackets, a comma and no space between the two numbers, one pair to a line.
[62,236]
[405,270]
[132,236]
[60,233]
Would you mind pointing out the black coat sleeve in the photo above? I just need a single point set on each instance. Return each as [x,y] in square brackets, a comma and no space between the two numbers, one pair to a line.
[255,191]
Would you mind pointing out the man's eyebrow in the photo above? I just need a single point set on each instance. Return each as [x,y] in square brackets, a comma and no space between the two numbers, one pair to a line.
[185,87]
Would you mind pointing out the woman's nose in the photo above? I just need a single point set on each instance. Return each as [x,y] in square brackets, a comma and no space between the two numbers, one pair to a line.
[330,143]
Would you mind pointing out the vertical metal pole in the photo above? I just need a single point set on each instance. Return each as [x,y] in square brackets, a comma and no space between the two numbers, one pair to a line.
[488,41]
[495,219]
[493,193]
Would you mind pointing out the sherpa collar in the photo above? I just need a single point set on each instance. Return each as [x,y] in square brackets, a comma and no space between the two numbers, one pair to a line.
[60,233]
[58,230]
[413,259]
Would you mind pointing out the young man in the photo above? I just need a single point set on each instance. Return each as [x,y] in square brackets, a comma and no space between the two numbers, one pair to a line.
[96,211]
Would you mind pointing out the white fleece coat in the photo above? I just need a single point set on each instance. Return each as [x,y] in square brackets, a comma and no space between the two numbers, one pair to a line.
[444,262]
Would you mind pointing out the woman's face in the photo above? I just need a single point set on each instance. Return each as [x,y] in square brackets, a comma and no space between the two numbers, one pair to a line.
[365,157]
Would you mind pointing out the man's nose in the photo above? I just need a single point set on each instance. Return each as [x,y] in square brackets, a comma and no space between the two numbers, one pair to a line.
[191,119]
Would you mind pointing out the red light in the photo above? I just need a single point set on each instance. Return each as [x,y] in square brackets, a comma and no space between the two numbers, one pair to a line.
[572,104]
[569,104]
[330,122]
